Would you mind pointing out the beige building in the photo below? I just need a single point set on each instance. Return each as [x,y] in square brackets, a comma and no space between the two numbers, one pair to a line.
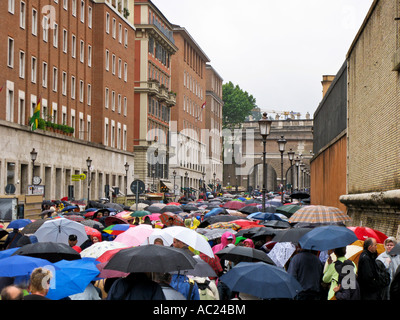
[373,148]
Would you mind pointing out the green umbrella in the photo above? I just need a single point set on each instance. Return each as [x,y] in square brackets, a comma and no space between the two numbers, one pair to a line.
[288,210]
[140,213]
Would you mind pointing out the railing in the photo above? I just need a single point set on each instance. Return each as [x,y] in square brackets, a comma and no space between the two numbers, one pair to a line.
[164,31]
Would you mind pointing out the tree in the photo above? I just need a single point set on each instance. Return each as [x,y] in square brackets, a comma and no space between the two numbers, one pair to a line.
[237,105]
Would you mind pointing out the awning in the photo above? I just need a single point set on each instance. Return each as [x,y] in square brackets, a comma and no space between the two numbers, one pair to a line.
[168,184]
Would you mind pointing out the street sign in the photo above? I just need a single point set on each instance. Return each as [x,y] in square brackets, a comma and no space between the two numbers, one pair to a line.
[78,177]
[138,186]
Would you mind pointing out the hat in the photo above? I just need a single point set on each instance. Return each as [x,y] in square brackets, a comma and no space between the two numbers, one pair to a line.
[229,237]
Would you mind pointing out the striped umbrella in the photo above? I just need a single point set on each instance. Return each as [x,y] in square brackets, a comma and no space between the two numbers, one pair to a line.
[116,229]
[171,219]
[319,214]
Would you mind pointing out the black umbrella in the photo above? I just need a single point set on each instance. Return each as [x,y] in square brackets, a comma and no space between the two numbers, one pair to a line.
[299,195]
[154,209]
[276,224]
[171,208]
[151,258]
[189,207]
[238,254]
[33,226]
[249,209]
[51,251]
[266,231]
[291,235]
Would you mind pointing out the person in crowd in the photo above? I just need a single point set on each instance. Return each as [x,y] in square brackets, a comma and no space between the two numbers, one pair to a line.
[72,240]
[367,272]
[187,287]
[11,292]
[181,245]
[159,241]
[347,287]
[164,280]
[390,261]
[248,243]
[12,239]
[39,284]
[307,269]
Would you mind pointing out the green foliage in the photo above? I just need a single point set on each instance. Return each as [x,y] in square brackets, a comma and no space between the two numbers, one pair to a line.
[237,105]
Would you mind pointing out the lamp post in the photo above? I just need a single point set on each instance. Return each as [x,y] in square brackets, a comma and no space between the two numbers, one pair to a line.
[265,128]
[204,185]
[281,143]
[174,174]
[33,158]
[185,184]
[126,183]
[214,174]
[297,162]
[291,156]
[88,164]
[302,165]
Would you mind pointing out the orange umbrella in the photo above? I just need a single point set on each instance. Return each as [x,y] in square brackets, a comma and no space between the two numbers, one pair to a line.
[171,219]
[363,233]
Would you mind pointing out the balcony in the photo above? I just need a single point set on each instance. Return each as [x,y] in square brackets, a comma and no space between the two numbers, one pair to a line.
[171,101]
[163,93]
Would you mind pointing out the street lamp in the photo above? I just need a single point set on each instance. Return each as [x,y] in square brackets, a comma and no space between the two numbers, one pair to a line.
[281,143]
[88,164]
[204,185]
[265,127]
[186,176]
[214,174]
[297,162]
[174,174]
[302,165]
[291,157]
[33,158]
[126,183]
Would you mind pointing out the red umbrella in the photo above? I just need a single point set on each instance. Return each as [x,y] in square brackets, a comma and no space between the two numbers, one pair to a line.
[173,204]
[176,219]
[234,205]
[74,217]
[93,232]
[363,233]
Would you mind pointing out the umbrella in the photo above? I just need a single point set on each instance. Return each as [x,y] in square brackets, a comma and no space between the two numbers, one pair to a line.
[173,204]
[116,229]
[189,207]
[140,206]
[166,217]
[114,220]
[140,213]
[234,205]
[93,232]
[135,236]
[3,232]
[68,208]
[249,209]
[71,277]
[7,253]
[327,237]
[51,251]
[74,217]
[224,225]
[99,248]
[19,223]
[291,235]
[299,195]
[214,212]
[93,224]
[151,258]
[201,269]
[159,233]
[154,209]
[319,214]
[264,216]
[288,210]
[276,224]
[363,233]
[171,208]
[214,219]
[261,280]
[58,230]
[33,226]
[115,206]
[238,254]
[263,232]
[14,266]
[154,216]
[268,208]
[212,234]
[191,238]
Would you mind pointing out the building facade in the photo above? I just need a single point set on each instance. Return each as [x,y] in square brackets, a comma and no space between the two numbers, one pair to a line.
[74,60]
[154,98]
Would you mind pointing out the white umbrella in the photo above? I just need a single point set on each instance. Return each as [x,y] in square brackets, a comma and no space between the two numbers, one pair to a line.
[191,238]
[58,230]
[159,233]
[98,248]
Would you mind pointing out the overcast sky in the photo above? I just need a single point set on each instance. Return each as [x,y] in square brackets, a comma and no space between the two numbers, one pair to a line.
[276,50]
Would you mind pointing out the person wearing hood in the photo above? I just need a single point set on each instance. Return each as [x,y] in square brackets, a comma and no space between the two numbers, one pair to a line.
[227,239]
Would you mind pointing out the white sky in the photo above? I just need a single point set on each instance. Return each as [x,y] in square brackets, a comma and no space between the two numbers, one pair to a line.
[276,50]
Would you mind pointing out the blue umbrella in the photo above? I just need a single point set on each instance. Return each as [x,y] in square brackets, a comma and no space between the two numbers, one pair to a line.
[72,277]
[261,280]
[213,212]
[327,237]
[14,266]
[67,208]
[19,223]
[7,253]
[264,216]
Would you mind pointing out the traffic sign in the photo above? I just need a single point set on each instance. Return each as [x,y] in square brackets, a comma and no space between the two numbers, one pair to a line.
[138,186]
[78,177]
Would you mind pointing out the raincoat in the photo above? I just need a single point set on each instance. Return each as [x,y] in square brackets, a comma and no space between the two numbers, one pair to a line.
[224,242]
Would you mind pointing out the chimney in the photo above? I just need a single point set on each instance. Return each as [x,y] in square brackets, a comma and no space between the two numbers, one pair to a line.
[326,83]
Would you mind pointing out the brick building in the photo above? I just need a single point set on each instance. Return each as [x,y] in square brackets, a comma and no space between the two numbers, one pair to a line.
[76,58]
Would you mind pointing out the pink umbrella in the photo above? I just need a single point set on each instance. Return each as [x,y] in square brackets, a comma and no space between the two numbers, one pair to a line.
[234,205]
[154,216]
[135,236]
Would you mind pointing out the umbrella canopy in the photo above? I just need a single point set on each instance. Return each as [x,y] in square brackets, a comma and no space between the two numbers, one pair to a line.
[93,232]
[276,224]
[140,206]
[288,210]
[201,269]
[319,214]
[327,237]
[93,224]
[291,235]
[58,230]
[234,205]
[189,207]
[261,280]
[151,258]
[154,209]
[135,236]
[212,234]
[238,254]
[154,216]
[108,221]
[33,226]
[191,238]
[74,217]
[50,251]
[363,233]
[140,213]
[14,266]
[299,195]
[171,208]
[171,219]
[19,223]
[219,218]
[71,277]
[7,253]
[99,248]
[249,209]
[116,229]
[264,216]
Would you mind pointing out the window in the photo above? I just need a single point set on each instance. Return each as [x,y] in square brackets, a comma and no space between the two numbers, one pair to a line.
[34,22]
[82,51]
[113,100]
[33,69]
[90,17]
[64,115]
[120,33]
[106,128]
[55,35]
[10,55]
[65,4]
[11,6]
[89,94]
[89,55]
[44,75]
[21,108]
[64,83]
[89,128]
[54,112]
[107,98]
[125,72]
[125,106]
[55,79]
[124,137]
[81,126]
[126,38]
[119,104]
[82,13]
[10,104]
[74,8]
[107,23]
[113,64]
[45,24]
[119,68]
[107,60]
[22,15]
[73,46]
[65,41]
[73,87]
[81,90]
[114,28]
[112,133]
[22,64]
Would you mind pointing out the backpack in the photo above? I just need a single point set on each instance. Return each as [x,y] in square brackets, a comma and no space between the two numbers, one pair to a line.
[383,277]
[205,291]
